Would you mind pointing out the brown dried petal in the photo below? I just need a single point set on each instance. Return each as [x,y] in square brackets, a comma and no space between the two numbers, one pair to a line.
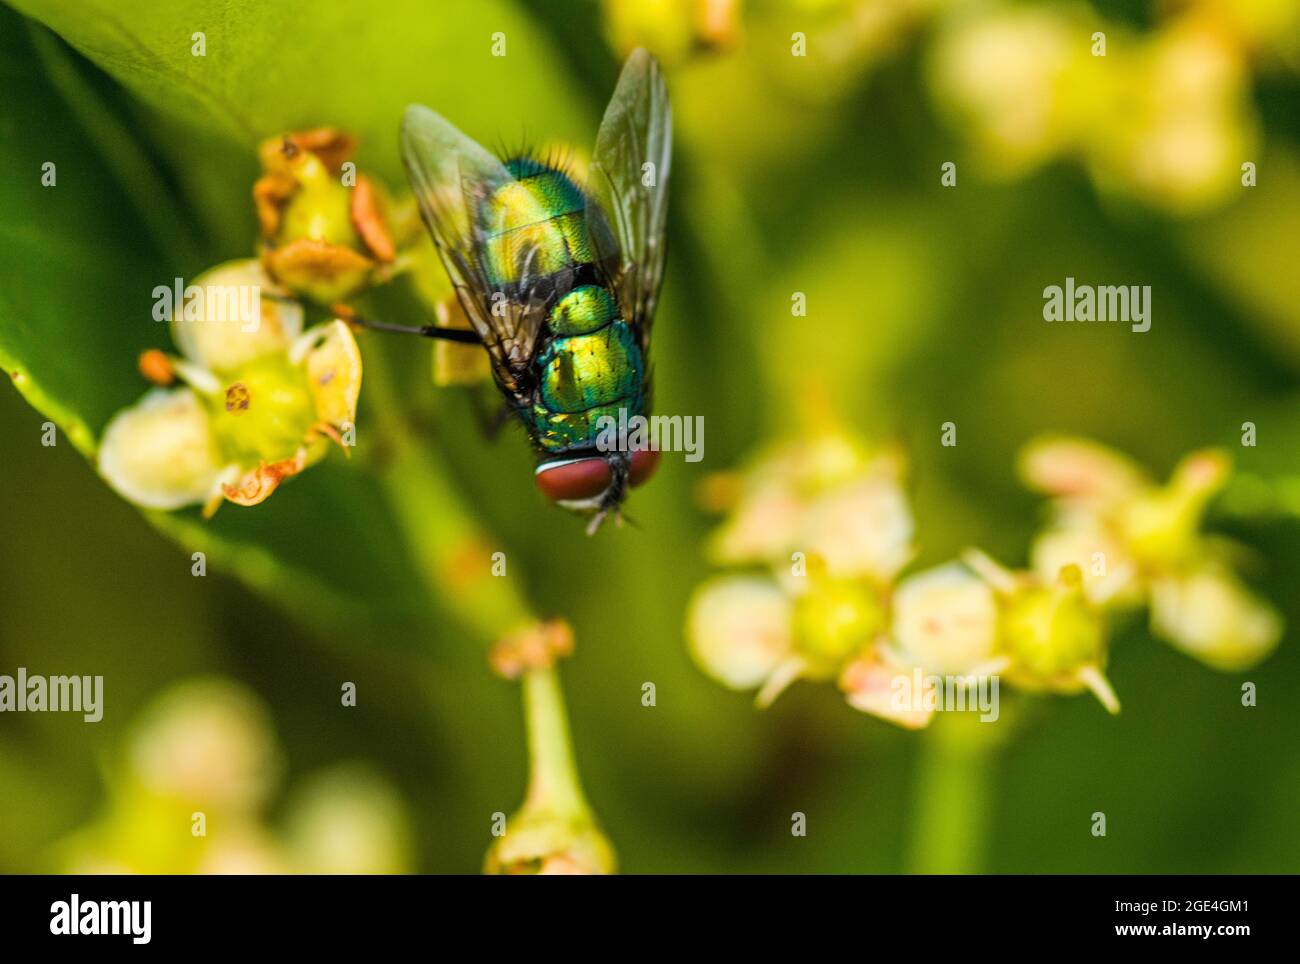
[533,647]
[329,272]
[258,484]
[271,193]
[368,219]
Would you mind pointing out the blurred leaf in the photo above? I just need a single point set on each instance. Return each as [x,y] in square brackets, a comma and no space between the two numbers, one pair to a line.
[1247,248]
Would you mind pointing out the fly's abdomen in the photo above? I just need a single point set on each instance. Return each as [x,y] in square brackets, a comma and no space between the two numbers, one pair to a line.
[592,367]
[591,364]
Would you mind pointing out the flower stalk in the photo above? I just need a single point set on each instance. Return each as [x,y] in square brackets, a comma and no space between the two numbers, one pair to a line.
[553,775]
[952,798]
[554,831]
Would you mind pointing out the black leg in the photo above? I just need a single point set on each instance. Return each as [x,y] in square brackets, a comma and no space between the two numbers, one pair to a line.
[463,335]
[491,418]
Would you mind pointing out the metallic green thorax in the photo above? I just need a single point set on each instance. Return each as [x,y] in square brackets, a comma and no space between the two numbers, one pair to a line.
[589,361]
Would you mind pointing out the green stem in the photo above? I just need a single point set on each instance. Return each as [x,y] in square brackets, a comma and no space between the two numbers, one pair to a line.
[553,776]
[951,811]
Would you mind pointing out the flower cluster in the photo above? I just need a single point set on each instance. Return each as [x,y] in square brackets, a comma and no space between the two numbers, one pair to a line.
[189,790]
[824,530]
[1137,543]
[1165,116]
[253,396]
[325,229]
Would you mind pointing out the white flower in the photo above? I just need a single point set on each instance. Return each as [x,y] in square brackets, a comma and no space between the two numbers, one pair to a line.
[259,399]
[740,629]
[945,619]
[840,505]
[206,741]
[160,453]
[863,528]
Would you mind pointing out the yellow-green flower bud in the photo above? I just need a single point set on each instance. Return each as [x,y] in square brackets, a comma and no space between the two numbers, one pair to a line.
[1161,527]
[833,620]
[320,210]
[541,841]
[1055,640]
[325,232]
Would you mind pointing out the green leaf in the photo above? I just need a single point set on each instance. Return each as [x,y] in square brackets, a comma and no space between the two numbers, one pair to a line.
[278,66]
[77,263]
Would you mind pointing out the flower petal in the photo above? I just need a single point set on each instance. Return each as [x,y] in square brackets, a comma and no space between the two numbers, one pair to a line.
[333,364]
[761,529]
[241,316]
[862,529]
[159,453]
[874,683]
[740,629]
[455,363]
[320,270]
[1078,468]
[257,484]
[1110,574]
[945,619]
[368,218]
[1212,617]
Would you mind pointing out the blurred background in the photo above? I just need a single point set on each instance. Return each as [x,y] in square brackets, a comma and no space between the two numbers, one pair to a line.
[818,174]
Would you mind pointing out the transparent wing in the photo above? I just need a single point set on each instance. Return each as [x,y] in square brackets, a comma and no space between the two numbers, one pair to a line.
[454,179]
[629,183]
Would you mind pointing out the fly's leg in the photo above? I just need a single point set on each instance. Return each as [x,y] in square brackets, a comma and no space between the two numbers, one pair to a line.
[462,335]
[491,418]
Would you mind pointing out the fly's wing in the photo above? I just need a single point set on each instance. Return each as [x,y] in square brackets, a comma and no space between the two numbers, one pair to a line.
[629,185]
[454,178]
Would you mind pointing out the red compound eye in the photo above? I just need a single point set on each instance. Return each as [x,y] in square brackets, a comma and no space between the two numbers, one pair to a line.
[573,481]
[644,463]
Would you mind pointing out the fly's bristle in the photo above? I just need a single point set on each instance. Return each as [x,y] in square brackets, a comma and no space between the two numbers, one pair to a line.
[553,156]
[559,157]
